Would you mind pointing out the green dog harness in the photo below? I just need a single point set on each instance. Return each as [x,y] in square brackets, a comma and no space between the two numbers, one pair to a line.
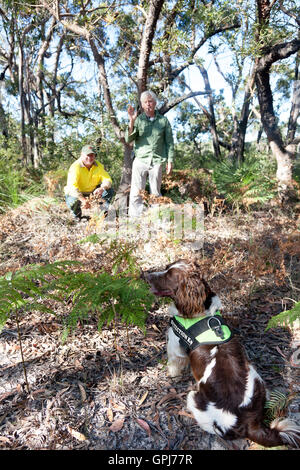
[194,332]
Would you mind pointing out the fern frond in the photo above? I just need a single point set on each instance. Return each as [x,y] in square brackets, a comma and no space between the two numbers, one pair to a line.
[245,182]
[130,299]
[27,290]
[276,405]
[286,318]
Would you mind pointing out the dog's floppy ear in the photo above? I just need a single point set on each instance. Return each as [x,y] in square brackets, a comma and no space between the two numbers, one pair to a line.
[191,294]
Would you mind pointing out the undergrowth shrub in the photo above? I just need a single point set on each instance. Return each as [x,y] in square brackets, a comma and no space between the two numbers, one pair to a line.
[18,184]
[251,182]
[188,185]
[286,318]
[109,297]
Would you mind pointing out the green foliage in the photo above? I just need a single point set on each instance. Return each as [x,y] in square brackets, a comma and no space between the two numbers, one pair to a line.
[26,289]
[251,182]
[109,297]
[121,254]
[296,171]
[276,405]
[17,184]
[106,297]
[286,318]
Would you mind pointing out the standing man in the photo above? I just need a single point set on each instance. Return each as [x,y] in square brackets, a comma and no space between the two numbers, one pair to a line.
[153,146]
[86,176]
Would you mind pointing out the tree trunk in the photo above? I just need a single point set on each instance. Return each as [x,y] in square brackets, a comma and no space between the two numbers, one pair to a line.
[211,116]
[22,106]
[283,158]
[146,43]
[40,137]
[3,119]
[295,111]
[263,65]
[122,196]
[238,140]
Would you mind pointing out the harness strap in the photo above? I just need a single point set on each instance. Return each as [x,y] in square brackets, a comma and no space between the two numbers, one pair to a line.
[211,329]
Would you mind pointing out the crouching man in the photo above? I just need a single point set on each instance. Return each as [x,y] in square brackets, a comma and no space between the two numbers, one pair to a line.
[87,176]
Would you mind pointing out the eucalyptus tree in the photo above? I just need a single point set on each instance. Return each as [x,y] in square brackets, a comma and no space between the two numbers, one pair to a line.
[269,33]
[24,42]
[31,50]
[12,53]
[142,44]
[239,76]
[277,38]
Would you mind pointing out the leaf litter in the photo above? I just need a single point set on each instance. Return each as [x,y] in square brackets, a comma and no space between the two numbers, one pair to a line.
[87,393]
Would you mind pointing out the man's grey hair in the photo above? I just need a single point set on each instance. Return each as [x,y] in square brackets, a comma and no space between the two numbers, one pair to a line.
[148,93]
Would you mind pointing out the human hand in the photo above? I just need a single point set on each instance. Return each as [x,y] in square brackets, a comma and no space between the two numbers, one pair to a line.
[169,168]
[98,191]
[86,204]
[132,113]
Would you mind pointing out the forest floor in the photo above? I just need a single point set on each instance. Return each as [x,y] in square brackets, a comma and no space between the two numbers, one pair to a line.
[110,390]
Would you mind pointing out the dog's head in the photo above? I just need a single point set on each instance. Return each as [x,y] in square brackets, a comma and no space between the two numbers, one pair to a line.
[181,281]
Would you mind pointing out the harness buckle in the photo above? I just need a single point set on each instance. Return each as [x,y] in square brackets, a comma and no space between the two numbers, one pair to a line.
[217,328]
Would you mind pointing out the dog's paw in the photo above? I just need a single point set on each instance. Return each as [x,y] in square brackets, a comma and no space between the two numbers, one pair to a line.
[174,371]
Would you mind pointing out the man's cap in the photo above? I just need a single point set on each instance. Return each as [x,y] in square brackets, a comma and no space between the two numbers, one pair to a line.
[87,149]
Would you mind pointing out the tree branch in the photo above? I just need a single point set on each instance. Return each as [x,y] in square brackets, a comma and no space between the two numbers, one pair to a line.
[146,44]
[167,106]
[296,18]
[278,52]
[194,51]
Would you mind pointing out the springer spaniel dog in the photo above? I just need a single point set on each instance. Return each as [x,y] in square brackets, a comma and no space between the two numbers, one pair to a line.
[230,396]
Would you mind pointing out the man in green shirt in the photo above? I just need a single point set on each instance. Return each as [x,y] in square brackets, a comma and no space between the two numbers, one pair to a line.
[153,146]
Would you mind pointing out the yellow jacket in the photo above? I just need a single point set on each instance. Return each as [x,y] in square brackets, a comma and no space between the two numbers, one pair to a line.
[82,180]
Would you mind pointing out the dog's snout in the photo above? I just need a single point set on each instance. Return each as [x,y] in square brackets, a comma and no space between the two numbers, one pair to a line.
[144,276]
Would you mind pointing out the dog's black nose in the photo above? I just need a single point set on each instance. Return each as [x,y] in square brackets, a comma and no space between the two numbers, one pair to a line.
[145,276]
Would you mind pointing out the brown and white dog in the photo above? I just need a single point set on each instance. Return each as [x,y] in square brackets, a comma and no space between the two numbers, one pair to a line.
[230,396]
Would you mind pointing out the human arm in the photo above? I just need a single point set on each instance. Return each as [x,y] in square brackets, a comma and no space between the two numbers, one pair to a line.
[169,168]
[106,184]
[105,181]
[169,147]
[131,132]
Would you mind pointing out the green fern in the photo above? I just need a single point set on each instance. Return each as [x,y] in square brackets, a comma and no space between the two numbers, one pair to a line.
[24,289]
[286,318]
[245,182]
[122,254]
[107,296]
[276,405]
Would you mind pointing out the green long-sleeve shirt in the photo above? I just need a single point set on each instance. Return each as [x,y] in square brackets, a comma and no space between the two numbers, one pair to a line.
[153,139]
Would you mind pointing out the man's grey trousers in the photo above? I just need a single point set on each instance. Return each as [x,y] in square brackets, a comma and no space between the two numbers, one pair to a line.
[140,172]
